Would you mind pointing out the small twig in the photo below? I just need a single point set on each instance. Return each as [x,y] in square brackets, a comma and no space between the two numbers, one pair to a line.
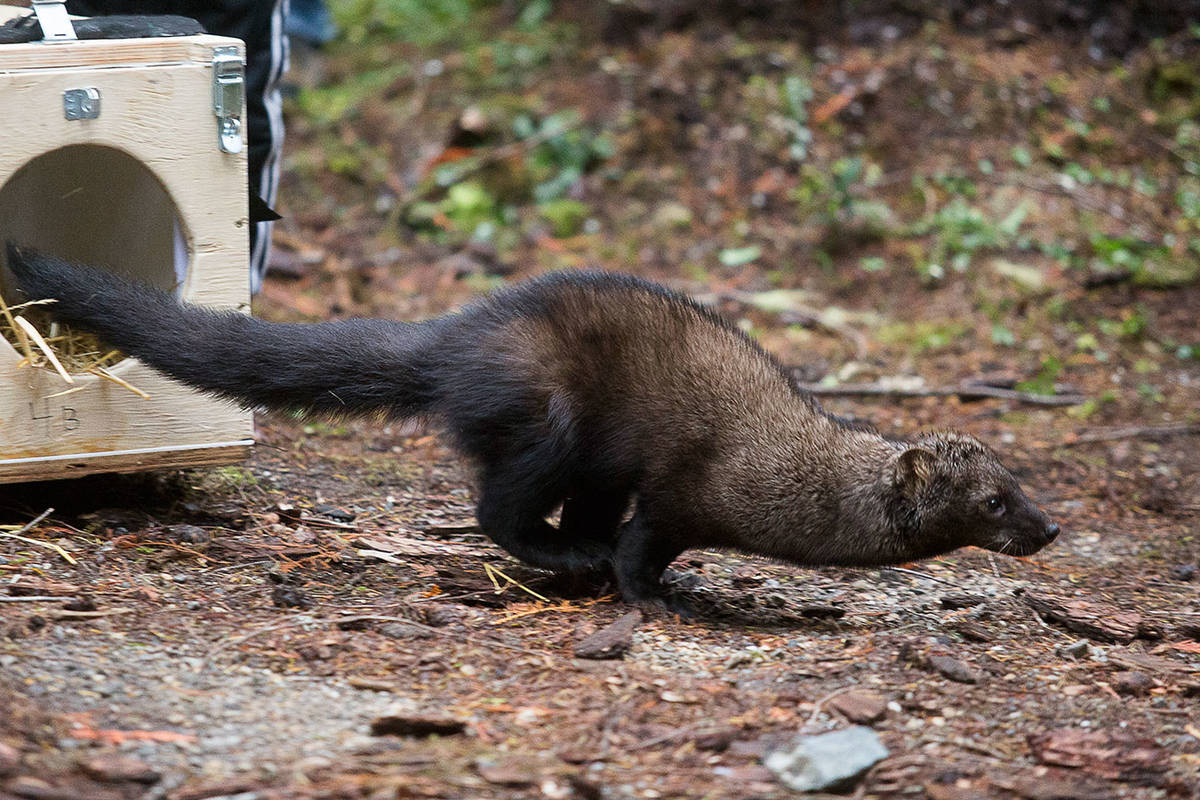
[1038,619]
[964,392]
[242,565]
[917,574]
[1135,432]
[112,612]
[967,744]
[670,736]
[812,720]
[31,599]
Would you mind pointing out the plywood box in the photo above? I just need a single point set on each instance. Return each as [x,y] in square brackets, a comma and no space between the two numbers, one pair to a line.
[111,156]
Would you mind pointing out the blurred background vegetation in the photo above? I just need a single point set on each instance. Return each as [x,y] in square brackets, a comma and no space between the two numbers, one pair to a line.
[872,189]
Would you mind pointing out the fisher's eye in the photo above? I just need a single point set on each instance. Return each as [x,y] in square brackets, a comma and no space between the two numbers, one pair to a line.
[995,505]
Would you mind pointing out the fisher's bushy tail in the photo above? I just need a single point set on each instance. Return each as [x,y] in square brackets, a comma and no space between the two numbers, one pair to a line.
[354,367]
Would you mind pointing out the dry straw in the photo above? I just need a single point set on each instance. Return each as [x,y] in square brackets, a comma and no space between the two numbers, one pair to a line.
[44,343]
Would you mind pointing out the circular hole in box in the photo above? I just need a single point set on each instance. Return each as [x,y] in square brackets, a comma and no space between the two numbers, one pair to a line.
[95,205]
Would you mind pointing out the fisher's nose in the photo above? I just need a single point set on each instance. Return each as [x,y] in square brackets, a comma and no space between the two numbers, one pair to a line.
[1052,531]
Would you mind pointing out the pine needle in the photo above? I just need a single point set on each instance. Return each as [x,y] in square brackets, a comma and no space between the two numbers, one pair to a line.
[492,572]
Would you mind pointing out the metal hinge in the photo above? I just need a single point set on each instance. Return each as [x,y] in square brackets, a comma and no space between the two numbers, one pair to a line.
[229,95]
[56,23]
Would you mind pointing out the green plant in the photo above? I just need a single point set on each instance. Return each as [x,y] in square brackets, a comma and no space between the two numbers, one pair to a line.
[566,217]
[1043,382]
[959,231]
[421,22]
[562,151]
[797,92]
[833,199]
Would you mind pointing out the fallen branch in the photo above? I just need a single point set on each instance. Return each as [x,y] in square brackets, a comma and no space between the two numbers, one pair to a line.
[1135,432]
[966,391]
[31,599]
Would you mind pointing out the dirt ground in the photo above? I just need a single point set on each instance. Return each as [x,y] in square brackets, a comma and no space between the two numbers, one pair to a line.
[326,621]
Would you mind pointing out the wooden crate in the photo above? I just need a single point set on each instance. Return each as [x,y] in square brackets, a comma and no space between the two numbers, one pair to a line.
[144,189]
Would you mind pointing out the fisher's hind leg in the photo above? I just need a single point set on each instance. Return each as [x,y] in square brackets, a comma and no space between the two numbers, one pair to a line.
[512,511]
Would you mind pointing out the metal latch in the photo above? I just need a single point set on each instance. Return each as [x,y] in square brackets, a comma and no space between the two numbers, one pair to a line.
[229,94]
[56,23]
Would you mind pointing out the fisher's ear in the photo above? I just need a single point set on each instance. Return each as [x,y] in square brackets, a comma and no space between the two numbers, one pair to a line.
[914,469]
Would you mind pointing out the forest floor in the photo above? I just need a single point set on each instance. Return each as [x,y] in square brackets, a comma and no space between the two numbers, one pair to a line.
[900,200]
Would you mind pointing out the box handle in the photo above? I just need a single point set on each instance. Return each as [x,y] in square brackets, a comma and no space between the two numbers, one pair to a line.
[56,23]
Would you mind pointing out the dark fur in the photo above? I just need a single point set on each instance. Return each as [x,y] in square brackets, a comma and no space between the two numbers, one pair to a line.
[590,390]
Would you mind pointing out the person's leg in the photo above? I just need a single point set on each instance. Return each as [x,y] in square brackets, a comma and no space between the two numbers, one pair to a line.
[260,24]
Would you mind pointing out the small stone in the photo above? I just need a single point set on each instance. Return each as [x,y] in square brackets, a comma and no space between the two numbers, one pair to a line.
[9,759]
[1132,683]
[84,602]
[322,651]
[416,725]
[860,707]
[716,741]
[287,512]
[188,534]
[954,669]
[289,597]
[334,513]
[29,786]
[833,761]
[505,773]
[613,641]
[956,601]
[1076,650]
[120,769]
[1183,572]
[404,630]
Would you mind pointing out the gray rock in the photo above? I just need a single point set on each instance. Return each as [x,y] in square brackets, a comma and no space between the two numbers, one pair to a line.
[831,761]
[1078,649]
